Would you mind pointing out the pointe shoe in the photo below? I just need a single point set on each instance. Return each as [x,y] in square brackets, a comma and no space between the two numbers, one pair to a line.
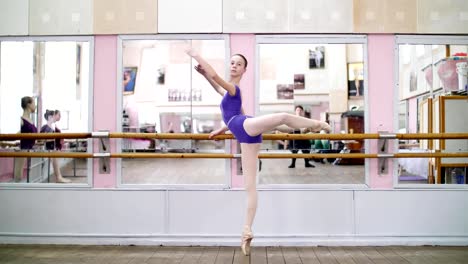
[247,237]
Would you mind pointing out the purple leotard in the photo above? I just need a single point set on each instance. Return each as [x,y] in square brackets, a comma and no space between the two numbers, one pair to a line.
[27,127]
[234,119]
[50,145]
[58,141]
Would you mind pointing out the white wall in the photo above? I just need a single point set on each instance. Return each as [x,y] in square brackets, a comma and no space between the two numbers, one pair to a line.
[285,217]
[16,82]
[58,17]
[14,17]
[185,16]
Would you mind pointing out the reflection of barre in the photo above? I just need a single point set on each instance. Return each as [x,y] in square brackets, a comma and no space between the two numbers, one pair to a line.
[296,136]
[230,156]
[9,144]
[9,137]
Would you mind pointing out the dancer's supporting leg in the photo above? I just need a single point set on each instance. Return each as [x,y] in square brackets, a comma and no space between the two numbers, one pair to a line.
[249,168]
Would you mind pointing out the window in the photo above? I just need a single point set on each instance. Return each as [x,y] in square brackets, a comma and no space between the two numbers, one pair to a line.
[162,93]
[431,83]
[326,77]
[55,73]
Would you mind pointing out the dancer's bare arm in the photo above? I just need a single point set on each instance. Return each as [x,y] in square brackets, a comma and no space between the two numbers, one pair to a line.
[211,73]
[218,131]
[217,88]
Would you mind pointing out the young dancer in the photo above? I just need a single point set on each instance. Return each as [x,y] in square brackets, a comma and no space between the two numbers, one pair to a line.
[247,129]
[51,144]
[27,126]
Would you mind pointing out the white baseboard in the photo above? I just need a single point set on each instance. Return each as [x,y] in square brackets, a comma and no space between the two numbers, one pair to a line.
[189,240]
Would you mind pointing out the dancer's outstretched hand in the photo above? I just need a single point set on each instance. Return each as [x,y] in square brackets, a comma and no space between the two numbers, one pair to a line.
[200,69]
[191,52]
[219,131]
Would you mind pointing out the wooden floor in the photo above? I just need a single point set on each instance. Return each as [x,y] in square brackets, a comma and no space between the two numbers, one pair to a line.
[25,254]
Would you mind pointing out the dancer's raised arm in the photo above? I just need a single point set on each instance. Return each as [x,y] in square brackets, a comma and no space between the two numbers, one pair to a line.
[217,88]
[211,73]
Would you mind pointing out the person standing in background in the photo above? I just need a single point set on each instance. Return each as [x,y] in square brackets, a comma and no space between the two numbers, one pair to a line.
[50,144]
[27,126]
[299,145]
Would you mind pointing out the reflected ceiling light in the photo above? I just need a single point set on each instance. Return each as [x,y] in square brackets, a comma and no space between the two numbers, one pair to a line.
[463,16]
[434,16]
[370,15]
[270,15]
[75,17]
[45,17]
[400,16]
[109,16]
[139,16]
[240,15]
[335,15]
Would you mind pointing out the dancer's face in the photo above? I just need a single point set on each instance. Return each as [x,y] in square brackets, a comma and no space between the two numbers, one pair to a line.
[299,111]
[32,106]
[237,66]
[57,117]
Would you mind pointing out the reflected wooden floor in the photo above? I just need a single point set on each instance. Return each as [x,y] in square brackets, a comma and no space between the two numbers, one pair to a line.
[212,171]
[212,255]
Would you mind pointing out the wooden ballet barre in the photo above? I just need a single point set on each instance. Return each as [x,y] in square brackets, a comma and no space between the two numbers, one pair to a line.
[230,136]
[295,136]
[433,136]
[186,136]
[9,137]
[54,154]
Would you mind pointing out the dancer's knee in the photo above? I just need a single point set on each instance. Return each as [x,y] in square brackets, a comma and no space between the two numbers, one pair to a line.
[283,118]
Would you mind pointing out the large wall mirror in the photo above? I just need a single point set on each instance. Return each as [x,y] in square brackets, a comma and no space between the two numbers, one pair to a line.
[45,84]
[161,92]
[432,86]
[320,78]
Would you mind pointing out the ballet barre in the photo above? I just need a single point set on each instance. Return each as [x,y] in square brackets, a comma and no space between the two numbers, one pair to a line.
[117,135]
[104,154]
[59,154]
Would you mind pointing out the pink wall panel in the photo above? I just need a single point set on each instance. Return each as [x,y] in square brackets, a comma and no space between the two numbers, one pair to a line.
[105,101]
[381,94]
[244,44]
[6,168]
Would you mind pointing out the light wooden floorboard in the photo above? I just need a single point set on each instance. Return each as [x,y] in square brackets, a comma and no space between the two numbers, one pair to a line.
[55,254]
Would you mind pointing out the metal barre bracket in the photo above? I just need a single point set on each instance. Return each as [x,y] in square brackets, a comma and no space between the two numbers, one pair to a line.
[382,150]
[104,151]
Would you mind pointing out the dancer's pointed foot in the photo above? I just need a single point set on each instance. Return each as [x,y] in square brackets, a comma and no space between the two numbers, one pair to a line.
[247,237]
[61,179]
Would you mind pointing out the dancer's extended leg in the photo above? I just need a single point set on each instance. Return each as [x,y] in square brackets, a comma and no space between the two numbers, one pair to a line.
[258,125]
